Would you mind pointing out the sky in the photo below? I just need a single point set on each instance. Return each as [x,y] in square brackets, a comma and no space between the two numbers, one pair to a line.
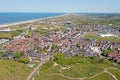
[68,6]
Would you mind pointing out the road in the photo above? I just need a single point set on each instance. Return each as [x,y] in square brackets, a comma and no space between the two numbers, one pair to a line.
[34,71]
[106,71]
[66,49]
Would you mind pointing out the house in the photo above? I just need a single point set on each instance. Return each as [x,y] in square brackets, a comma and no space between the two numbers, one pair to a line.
[95,50]
[117,59]
[1,48]
[115,56]
[115,46]
[10,56]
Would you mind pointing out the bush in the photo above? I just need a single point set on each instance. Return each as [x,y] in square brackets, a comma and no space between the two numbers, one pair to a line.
[106,52]
[61,59]
[105,61]
[18,54]
[24,60]
[74,60]
[47,65]
[3,54]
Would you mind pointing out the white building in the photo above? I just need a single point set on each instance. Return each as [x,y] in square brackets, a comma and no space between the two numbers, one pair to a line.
[95,50]
[3,40]
[108,35]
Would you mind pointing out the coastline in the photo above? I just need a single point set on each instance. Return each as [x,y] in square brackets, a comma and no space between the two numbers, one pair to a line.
[29,21]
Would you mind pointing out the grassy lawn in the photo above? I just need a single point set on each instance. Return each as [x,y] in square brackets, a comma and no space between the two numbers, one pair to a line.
[115,72]
[95,37]
[103,76]
[5,35]
[9,35]
[11,70]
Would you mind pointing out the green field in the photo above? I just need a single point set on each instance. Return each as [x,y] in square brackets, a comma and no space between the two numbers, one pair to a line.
[76,72]
[11,70]
[95,37]
[87,70]
[9,35]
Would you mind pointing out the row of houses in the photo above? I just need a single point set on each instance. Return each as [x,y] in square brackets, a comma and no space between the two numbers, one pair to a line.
[70,41]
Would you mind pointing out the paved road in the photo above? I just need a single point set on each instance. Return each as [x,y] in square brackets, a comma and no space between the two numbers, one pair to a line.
[34,71]
[66,49]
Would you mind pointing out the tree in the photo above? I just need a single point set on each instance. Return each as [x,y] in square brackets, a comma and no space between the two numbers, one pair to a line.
[3,54]
[61,59]
[47,65]
[53,46]
[25,60]
[18,54]
[77,45]
[106,52]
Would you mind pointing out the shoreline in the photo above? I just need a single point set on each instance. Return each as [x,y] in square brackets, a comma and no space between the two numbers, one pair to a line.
[28,21]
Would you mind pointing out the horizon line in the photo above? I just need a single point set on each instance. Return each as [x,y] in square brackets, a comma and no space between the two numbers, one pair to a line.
[62,12]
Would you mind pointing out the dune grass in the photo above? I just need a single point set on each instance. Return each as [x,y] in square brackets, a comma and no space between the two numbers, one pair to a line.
[83,70]
[11,70]
[115,72]
[103,76]
[78,70]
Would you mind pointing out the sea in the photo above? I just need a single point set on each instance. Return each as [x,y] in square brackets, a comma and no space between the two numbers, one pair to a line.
[9,18]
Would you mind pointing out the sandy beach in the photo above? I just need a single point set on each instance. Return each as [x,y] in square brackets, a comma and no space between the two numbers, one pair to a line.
[29,21]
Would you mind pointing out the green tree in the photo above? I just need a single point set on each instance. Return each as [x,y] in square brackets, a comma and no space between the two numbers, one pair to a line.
[77,45]
[106,52]
[24,60]
[18,54]
[53,46]
[82,53]
[3,54]
[47,65]
[61,59]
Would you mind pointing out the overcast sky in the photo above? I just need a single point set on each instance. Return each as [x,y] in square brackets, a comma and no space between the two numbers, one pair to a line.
[60,6]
